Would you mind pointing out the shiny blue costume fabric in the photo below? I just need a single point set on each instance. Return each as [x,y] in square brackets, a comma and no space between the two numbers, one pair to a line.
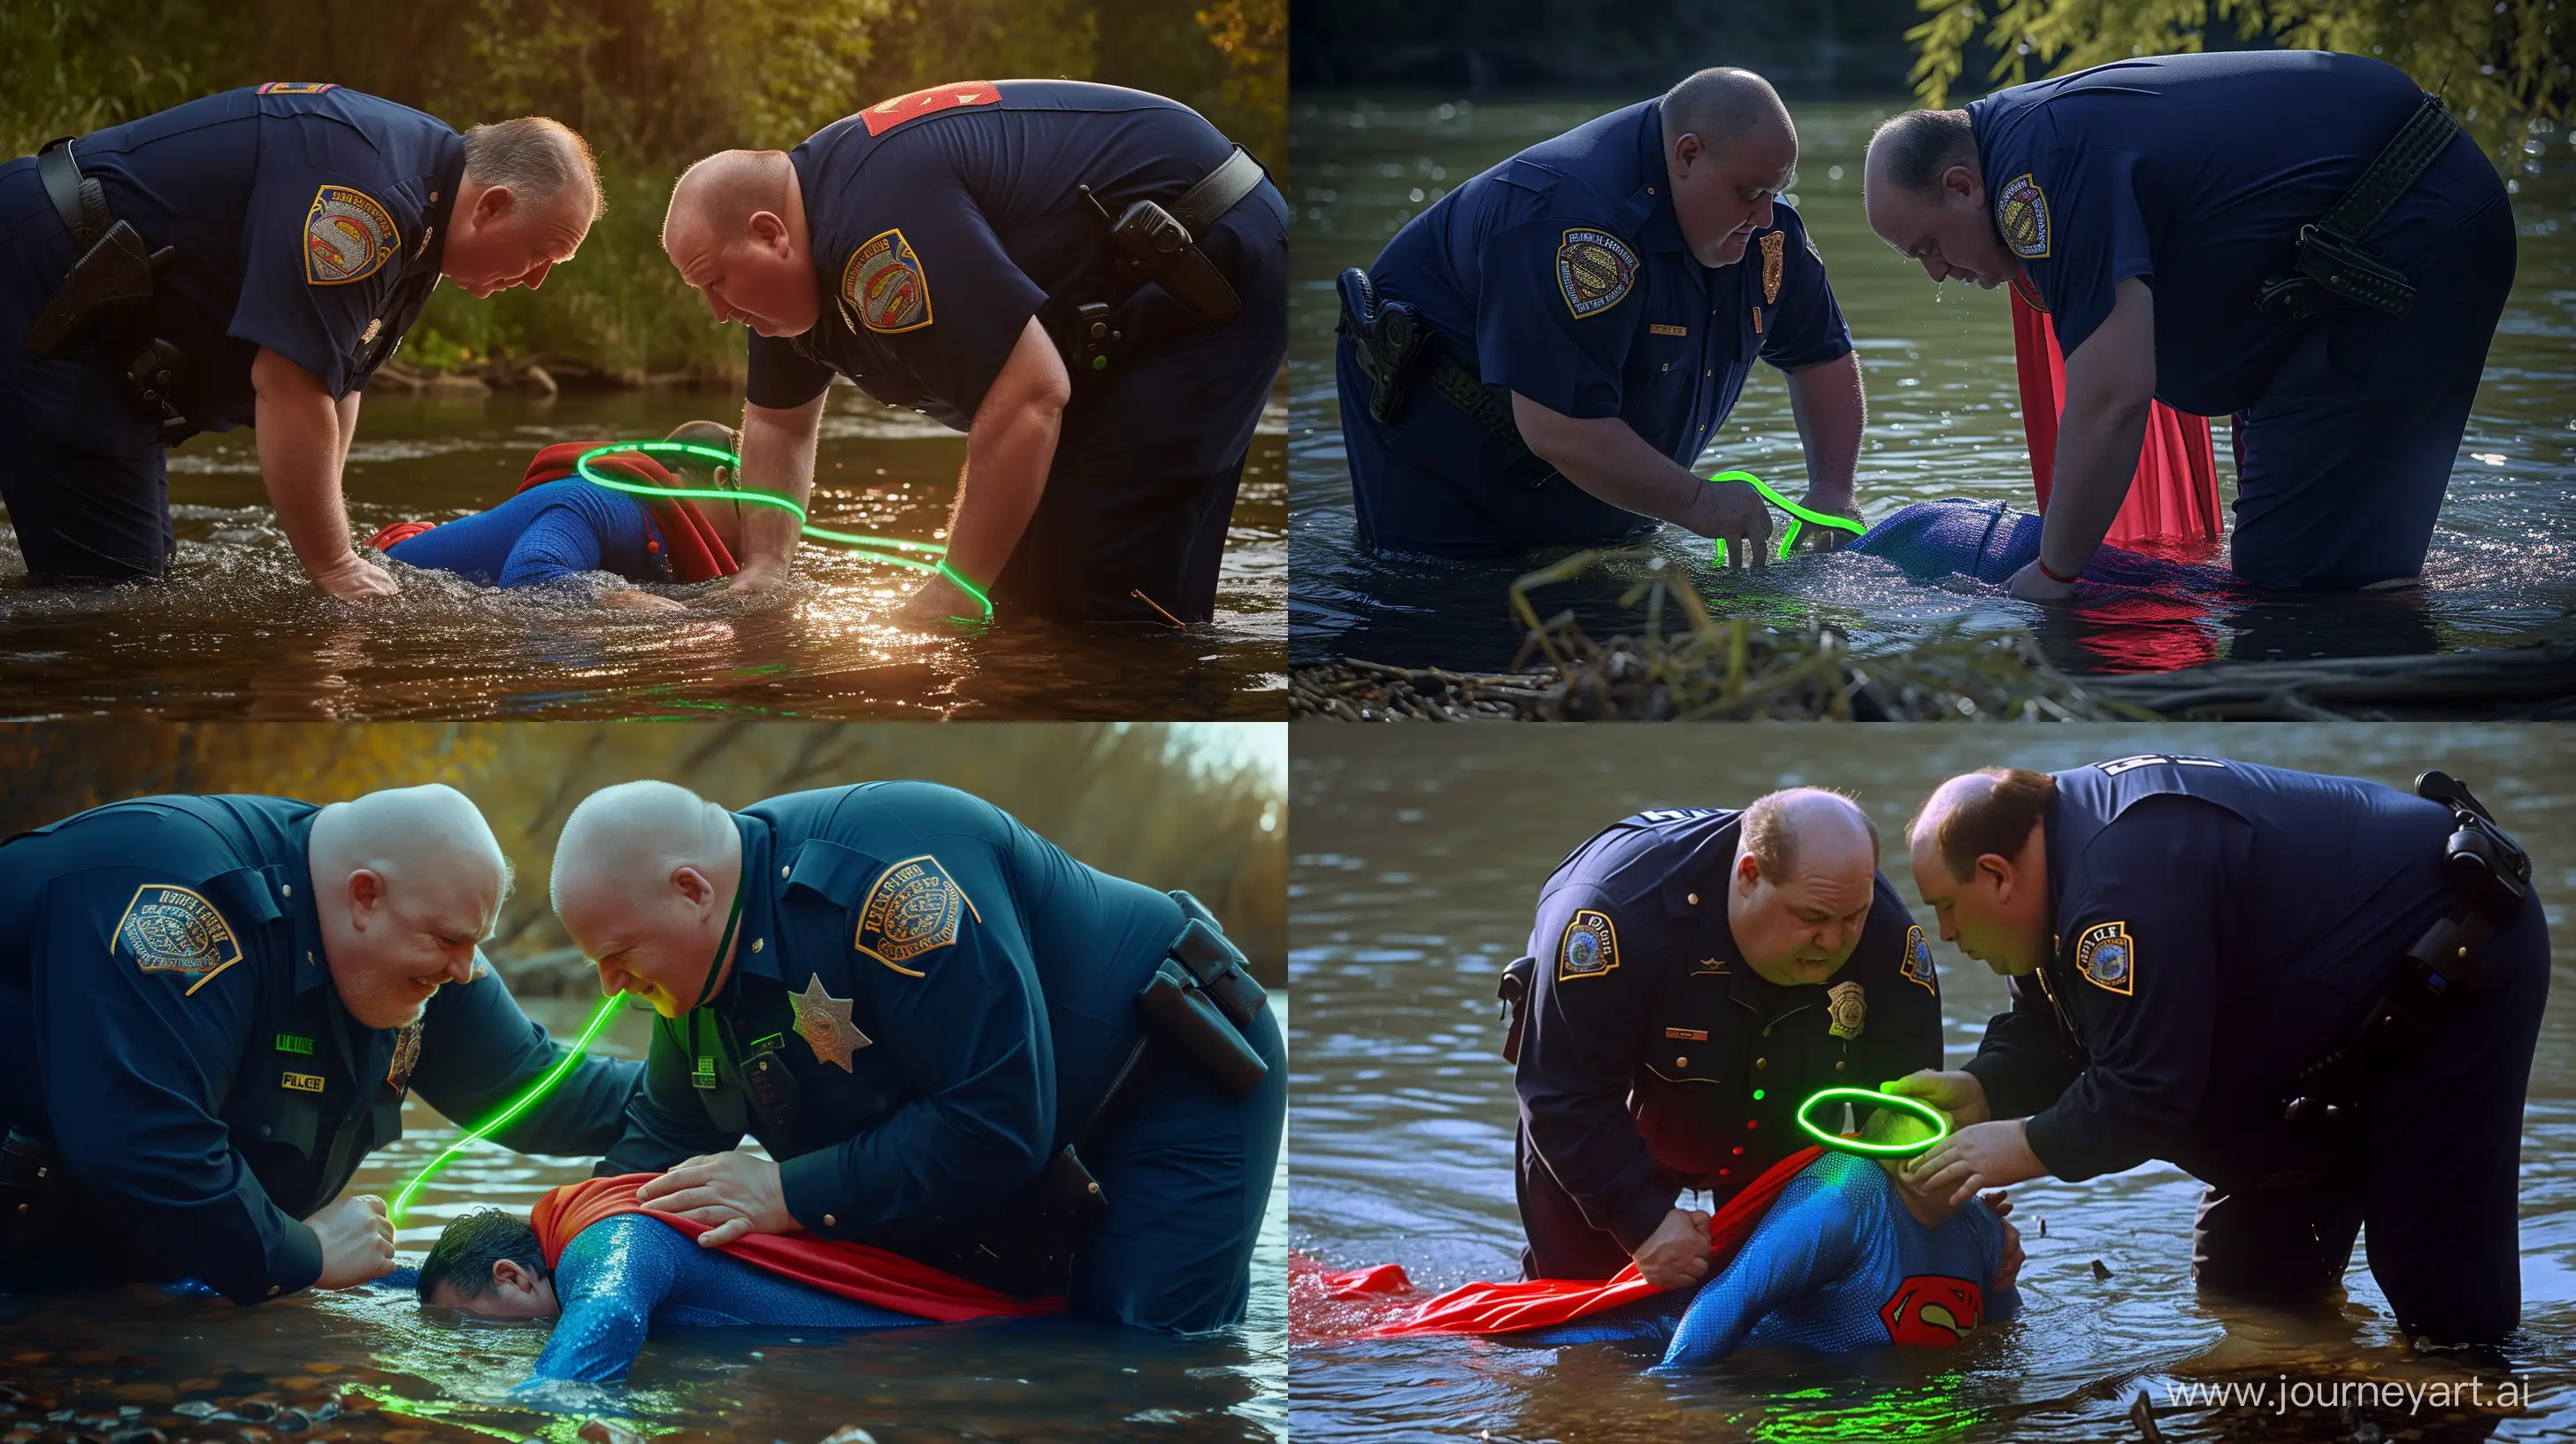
[623,1276]
[1822,1268]
[1990,541]
[544,534]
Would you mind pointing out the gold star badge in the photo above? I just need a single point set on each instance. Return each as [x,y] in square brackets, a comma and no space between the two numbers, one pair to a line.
[824,1021]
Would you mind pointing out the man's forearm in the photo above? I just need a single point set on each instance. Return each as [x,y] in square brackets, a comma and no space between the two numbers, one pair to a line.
[1607,458]
[1007,459]
[302,438]
[1832,412]
[777,457]
[2097,456]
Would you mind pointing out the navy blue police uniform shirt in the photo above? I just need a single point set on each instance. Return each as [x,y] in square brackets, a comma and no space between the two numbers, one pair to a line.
[2218,925]
[309,221]
[943,220]
[2194,173]
[162,967]
[1562,274]
[949,992]
[1654,1059]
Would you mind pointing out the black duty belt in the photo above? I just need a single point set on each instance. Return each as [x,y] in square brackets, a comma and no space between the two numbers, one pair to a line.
[1397,351]
[102,307]
[2490,875]
[2332,265]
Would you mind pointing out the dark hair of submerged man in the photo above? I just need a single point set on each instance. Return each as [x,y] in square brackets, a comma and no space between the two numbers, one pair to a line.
[1995,819]
[469,1246]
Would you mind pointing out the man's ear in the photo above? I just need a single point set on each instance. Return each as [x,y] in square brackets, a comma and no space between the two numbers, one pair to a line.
[1748,870]
[769,232]
[493,204]
[1966,184]
[1687,151]
[510,1274]
[366,896]
[2000,868]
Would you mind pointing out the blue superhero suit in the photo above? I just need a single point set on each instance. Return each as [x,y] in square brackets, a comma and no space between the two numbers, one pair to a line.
[624,1276]
[1838,1264]
[1990,541]
[545,534]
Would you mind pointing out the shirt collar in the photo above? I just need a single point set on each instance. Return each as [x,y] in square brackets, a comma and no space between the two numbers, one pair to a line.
[1648,215]
[444,180]
[755,943]
[293,881]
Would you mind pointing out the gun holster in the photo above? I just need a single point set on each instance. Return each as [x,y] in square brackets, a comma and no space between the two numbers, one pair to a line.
[102,309]
[1386,340]
[1513,989]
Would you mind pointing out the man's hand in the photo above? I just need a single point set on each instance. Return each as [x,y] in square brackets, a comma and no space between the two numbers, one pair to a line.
[1980,1156]
[778,458]
[1957,1093]
[2033,585]
[734,1192]
[938,600]
[1734,513]
[1832,502]
[2008,1271]
[357,1242]
[760,574]
[353,579]
[1676,1256]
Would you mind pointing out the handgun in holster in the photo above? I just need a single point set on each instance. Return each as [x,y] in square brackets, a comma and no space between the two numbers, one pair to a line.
[1513,989]
[1387,341]
[102,304]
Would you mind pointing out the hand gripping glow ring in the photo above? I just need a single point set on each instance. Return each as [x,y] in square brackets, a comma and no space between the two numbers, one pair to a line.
[543,1086]
[1800,517]
[874,548]
[1939,1120]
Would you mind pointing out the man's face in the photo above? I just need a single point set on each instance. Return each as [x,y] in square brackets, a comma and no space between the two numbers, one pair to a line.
[763,278]
[516,1294]
[656,948]
[1722,199]
[495,241]
[1998,914]
[1800,930]
[1951,234]
[393,941]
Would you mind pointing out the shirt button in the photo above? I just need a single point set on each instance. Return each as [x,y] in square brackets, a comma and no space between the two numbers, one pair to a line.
[286,889]
[1758,1062]
[782,872]
[830,1222]
[1723,1172]
[1739,1151]
[756,942]
[1752,1122]
[1694,899]
[1838,1065]
[1681,1062]
[272,1291]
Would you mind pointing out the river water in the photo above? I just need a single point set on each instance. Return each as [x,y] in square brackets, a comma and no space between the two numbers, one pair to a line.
[1018,1380]
[1944,422]
[1417,863]
[237,632]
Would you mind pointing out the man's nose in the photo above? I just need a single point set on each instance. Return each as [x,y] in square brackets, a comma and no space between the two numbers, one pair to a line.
[716,305]
[462,968]
[1932,269]
[536,276]
[1762,213]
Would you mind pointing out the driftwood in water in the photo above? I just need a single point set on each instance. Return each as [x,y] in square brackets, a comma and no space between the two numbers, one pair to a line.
[2525,683]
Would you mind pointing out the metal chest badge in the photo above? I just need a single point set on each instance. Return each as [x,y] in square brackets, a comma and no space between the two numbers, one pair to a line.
[2021,213]
[173,930]
[347,237]
[1847,1008]
[1589,948]
[406,1055]
[886,285]
[1775,248]
[2107,958]
[1595,270]
[1916,965]
[914,908]
[823,1021]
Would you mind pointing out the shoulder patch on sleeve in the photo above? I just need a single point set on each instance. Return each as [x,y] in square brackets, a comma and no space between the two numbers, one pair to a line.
[914,909]
[1589,948]
[2107,958]
[1595,270]
[169,929]
[1775,250]
[296,87]
[1916,965]
[347,237]
[1811,248]
[885,285]
[2021,213]
[885,115]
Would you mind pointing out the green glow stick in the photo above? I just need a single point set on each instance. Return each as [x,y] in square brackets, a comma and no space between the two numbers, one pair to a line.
[1800,517]
[543,1086]
[875,548]
[1939,1120]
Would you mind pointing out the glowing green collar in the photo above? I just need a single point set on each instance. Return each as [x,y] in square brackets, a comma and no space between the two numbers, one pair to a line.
[1939,1120]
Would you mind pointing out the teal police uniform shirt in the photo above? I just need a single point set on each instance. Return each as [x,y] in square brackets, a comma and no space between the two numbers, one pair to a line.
[163,980]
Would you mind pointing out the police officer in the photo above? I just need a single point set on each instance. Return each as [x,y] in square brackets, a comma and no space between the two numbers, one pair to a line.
[219,1004]
[1698,975]
[957,1042]
[2292,986]
[1090,282]
[251,257]
[1540,356]
[2301,239]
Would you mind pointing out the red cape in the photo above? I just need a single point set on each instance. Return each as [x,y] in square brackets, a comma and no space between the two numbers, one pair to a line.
[1490,1308]
[697,554]
[851,1270]
[2175,493]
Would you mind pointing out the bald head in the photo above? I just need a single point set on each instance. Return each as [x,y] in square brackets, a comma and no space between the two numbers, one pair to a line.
[717,197]
[1725,107]
[736,230]
[1989,811]
[545,163]
[622,841]
[1809,826]
[645,878]
[1803,882]
[1980,858]
[406,885]
[1729,149]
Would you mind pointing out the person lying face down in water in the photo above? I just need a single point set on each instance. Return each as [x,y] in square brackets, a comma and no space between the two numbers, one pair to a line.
[609,1271]
[560,526]
[1989,541]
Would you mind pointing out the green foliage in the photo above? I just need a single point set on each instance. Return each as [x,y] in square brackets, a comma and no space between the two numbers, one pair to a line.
[652,84]
[2501,64]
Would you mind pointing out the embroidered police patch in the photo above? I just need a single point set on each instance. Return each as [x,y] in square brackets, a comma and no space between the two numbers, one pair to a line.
[2107,958]
[1916,965]
[347,237]
[1589,948]
[173,930]
[1595,270]
[885,115]
[885,284]
[915,908]
[2028,290]
[1775,249]
[2021,213]
[1847,1008]
[296,87]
